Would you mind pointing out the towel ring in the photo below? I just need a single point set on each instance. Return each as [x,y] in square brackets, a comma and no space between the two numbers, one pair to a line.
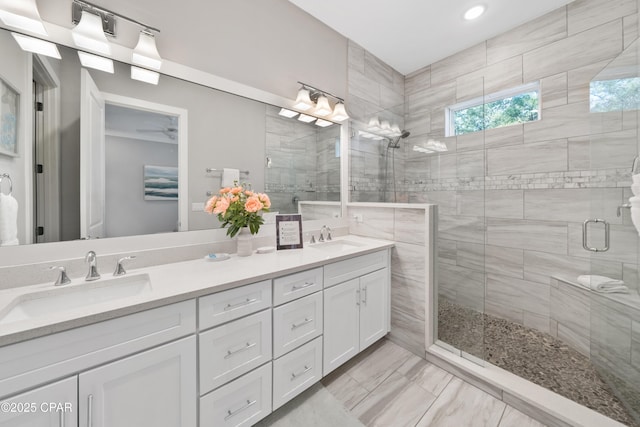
[2,178]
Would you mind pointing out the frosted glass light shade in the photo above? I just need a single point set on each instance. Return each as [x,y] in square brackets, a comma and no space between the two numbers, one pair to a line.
[22,14]
[374,124]
[339,113]
[42,47]
[303,100]
[322,106]
[88,34]
[385,127]
[96,62]
[146,53]
[143,75]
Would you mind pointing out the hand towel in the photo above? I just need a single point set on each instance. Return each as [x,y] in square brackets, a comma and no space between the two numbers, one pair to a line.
[230,177]
[8,220]
[602,284]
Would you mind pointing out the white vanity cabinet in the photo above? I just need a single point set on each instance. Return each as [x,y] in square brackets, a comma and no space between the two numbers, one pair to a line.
[356,311]
[135,370]
[48,406]
[154,388]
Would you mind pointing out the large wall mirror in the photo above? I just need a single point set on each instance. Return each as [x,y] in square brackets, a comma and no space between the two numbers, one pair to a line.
[102,155]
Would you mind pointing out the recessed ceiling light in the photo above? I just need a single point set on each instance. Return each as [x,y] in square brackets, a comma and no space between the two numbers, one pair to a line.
[474,13]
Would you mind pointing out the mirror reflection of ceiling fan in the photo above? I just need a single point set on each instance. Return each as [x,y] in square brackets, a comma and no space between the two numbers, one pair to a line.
[170,130]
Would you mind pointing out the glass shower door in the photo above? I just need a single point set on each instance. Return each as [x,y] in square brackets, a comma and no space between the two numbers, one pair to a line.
[613,306]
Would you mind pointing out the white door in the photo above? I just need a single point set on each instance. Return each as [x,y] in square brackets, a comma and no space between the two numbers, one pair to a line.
[92,168]
[341,318]
[54,405]
[154,388]
[373,307]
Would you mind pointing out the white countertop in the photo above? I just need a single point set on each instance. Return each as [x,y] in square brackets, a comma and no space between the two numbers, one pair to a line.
[172,283]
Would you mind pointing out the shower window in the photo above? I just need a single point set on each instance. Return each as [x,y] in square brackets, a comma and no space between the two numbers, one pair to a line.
[508,107]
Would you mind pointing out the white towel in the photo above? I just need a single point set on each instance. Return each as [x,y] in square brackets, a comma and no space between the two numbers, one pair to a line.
[230,177]
[603,284]
[8,220]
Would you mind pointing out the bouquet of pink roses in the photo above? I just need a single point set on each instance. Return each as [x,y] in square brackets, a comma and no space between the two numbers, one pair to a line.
[238,207]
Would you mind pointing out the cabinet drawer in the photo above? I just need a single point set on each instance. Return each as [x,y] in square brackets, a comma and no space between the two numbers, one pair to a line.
[230,350]
[295,372]
[225,306]
[296,323]
[296,285]
[242,402]
[348,269]
[37,361]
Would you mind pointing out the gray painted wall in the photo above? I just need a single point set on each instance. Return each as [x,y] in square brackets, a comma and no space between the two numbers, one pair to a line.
[127,213]
[267,44]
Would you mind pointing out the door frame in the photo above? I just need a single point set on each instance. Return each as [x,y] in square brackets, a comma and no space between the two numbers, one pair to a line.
[183,145]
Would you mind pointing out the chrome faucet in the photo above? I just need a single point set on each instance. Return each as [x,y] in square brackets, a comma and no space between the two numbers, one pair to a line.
[92,259]
[62,279]
[120,271]
[322,231]
[328,234]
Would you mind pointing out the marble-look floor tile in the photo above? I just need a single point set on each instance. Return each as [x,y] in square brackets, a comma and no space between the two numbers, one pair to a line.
[377,364]
[461,404]
[344,388]
[425,374]
[396,402]
[514,418]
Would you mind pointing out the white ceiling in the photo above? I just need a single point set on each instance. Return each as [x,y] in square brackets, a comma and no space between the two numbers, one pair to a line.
[411,34]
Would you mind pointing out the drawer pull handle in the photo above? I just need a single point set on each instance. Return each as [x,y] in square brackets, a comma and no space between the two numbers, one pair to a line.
[90,410]
[240,304]
[240,350]
[237,411]
[304,371]
[61,418]
[306,285]
[364,293]
[304,322]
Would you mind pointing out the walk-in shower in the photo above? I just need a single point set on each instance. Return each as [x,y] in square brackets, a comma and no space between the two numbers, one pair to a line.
[512,202]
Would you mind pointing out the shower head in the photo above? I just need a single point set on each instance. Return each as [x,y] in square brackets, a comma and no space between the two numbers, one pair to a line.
[396,143]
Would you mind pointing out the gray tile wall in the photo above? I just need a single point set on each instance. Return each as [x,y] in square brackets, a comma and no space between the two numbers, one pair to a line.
[304,164]
[375,90]
[512,200]
[409,267]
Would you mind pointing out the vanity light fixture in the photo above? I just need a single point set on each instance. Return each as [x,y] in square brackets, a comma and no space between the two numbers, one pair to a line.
[475,12]
[89,60]
[88,34]
[322,106]
[374,124]
[42,47]
[306,118]
[23,15]
[385,128]
[288,113]
[323,123]
[310,97]
[146,53]
[145,75]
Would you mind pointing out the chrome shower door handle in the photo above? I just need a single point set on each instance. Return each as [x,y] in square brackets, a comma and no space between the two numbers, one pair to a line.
[585,235]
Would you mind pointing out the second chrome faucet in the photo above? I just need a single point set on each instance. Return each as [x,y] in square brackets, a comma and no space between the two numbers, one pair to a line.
[92,259]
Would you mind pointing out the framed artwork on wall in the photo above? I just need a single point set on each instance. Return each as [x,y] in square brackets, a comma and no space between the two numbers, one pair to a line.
[289,231]
[160,183]
[9,118]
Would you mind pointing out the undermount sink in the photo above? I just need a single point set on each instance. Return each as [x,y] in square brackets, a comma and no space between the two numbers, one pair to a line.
[63,298]
[336,246]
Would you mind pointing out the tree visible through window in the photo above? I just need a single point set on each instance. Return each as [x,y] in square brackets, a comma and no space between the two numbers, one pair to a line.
[614,95]
[518,105]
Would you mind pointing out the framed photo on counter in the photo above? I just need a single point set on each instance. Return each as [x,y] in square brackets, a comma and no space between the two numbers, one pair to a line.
[289,231]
